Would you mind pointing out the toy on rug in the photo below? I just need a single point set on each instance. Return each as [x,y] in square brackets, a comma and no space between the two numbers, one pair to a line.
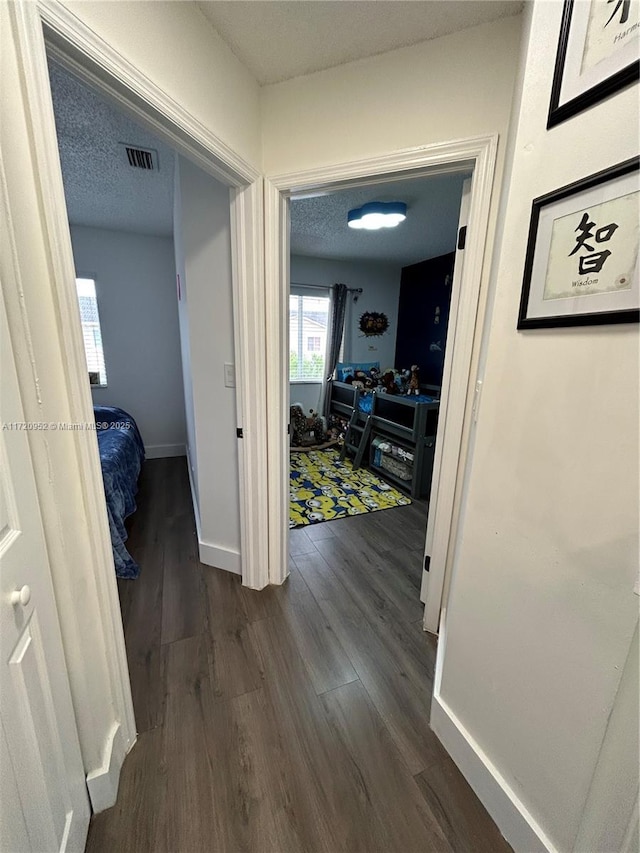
[389,382]
[337,427]
[306,431]
[414,382]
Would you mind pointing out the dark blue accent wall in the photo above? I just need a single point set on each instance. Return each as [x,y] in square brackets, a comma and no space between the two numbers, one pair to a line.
[423,288]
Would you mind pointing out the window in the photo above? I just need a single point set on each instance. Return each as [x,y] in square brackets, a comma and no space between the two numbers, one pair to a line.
[308,321]
[91,333]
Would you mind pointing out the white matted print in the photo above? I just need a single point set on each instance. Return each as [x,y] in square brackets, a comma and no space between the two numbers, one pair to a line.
[582,256]
[598,53]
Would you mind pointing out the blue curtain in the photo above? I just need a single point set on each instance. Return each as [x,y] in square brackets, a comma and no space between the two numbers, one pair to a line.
[337,310]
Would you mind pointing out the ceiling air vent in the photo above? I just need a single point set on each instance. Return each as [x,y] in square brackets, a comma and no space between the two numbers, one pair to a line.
[142,158]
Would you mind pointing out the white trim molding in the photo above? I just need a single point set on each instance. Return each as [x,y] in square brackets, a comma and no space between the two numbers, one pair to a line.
[477,155]
[247,262]
[164,451]
[508,811]
[276,229]
[102,783]
[219,557]
[72,43]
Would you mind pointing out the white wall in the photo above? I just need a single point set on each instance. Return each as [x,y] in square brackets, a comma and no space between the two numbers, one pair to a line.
[451,87]
[178,49]
[380,284]
[202,206]
[541,613]
[457,86]
[136,290]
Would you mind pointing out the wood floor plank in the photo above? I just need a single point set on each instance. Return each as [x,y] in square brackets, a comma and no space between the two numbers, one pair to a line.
[397,807]
[188,819]
[233,663]
[327,664]
[319,531]
[389,574]
[245,755]
[143,631]
[182,601]
[258,806]
[463,819]
[325,784]
[260,603]
[390,610]
[299,542]
[132,825]
[403,702]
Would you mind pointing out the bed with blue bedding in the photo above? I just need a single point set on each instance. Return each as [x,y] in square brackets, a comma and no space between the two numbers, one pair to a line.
[121,457]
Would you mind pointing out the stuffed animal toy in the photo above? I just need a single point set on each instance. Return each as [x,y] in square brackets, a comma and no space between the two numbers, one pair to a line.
[414,382]
[316,427]
[389,382]
[298,425]
[306,431]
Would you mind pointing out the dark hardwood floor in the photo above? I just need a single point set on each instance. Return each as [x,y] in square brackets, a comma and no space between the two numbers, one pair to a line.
[291,719]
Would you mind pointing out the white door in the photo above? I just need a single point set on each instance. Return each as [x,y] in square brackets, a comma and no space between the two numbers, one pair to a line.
[442,493]
[44,804]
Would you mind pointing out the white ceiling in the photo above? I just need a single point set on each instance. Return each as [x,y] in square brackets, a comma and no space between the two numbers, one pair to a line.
[319,225]
[101,188]
[280,39]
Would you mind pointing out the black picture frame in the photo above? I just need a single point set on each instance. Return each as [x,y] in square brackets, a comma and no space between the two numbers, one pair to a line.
[588,317]
[559,112]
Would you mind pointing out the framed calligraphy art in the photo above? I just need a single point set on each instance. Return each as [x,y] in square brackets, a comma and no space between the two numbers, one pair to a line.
[598,54]
[581,266]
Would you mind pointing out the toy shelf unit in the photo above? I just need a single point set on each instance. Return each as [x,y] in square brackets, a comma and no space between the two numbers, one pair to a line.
[403,437]
[395,434]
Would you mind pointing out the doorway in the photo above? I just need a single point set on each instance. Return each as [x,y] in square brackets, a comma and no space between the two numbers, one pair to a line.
[476,157]
[362,443]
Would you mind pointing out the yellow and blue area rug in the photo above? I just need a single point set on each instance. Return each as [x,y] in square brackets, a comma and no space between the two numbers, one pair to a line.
[322,487]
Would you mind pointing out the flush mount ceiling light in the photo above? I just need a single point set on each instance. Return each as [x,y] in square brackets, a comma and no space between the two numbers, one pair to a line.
[378,214]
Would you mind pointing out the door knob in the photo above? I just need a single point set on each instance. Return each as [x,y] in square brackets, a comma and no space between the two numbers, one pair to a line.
[21,596]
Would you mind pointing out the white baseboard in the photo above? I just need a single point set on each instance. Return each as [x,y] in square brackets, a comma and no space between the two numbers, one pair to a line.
[220,558]
[509,812]
[164,451]
[103,782]
[210,554]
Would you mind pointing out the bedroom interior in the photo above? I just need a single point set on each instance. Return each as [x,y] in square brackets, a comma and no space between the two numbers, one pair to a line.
[363,441]
[147,226]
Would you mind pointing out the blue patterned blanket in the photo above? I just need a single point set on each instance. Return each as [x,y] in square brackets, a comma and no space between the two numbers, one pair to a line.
[121,457]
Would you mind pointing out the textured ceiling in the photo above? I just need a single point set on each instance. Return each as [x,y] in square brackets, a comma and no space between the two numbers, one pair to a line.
[319,225]
[280,39]
[101,188]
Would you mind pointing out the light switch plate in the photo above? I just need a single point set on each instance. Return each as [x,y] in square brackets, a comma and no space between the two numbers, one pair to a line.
[229,376]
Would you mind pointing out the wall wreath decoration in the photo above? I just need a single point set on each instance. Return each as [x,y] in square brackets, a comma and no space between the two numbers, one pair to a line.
[373,324]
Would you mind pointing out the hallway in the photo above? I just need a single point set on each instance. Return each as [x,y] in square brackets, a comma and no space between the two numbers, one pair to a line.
[291,719]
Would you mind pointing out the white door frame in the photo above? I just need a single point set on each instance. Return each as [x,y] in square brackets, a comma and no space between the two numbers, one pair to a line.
[85,561]
[76,47]
[477,154]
